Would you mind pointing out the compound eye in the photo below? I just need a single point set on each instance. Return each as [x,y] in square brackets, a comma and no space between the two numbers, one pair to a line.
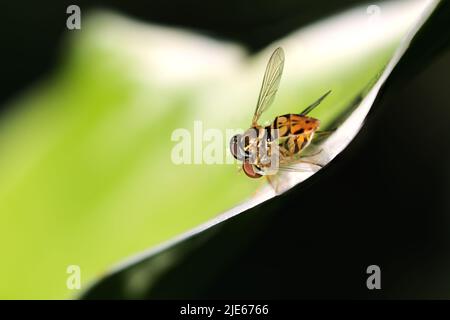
[236,148]
[250,170]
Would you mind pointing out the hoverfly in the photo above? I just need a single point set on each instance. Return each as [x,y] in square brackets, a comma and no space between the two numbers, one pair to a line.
[264,150]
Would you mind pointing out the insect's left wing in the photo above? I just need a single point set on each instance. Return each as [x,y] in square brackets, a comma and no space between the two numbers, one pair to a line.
[270,83]
[315,104]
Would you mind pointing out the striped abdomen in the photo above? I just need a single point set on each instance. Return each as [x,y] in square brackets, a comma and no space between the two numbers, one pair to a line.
[294,132]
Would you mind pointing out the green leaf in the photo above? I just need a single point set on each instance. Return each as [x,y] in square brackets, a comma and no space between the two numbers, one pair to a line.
[154,273]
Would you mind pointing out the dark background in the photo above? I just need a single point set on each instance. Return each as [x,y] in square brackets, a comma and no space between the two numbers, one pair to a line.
[384,200]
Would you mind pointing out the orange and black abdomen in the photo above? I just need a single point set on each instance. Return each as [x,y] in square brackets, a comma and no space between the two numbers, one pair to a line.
[300,130]
[294,124]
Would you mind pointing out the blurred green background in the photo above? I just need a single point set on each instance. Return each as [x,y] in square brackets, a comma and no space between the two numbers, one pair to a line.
[86,176]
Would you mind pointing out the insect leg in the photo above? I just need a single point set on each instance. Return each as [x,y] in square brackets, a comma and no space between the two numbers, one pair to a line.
[323,134]
[291,162]
[319,136]
[311,162]
[276,183]
[310,154]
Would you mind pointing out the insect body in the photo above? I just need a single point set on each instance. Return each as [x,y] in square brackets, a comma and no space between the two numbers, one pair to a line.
[264,150]
[298,131]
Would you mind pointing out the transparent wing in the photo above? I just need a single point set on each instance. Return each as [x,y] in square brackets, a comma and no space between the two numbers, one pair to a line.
[304,158]
[315,104]
[296,162]
[301,166]
[281,181]
[270,83]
